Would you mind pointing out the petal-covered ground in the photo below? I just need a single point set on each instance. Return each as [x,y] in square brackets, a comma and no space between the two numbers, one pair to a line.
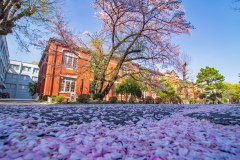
[118,132]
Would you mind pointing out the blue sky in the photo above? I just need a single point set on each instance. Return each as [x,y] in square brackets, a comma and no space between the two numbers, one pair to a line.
[215,42]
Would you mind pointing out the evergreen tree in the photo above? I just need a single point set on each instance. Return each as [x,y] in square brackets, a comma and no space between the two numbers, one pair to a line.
[169,92]
[212,82]
[32,88]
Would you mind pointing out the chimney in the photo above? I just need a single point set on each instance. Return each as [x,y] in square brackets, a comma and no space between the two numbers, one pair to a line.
[157,70]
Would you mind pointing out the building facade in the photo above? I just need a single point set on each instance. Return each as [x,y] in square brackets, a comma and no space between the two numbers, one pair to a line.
[4,61]
[64,72]
[185,90]
[18,77]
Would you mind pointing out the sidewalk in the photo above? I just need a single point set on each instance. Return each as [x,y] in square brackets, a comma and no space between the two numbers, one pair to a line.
[18,102]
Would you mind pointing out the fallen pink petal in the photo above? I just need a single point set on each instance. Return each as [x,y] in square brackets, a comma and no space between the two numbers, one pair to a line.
[175,136]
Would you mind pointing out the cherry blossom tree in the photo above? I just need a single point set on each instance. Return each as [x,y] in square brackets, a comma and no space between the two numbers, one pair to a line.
[141,30]
[133,31]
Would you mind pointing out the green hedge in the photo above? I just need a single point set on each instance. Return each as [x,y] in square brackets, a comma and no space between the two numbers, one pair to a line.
[113,99]
[192,101]
[98,96]
[148,99]
[59,99]
[83,98]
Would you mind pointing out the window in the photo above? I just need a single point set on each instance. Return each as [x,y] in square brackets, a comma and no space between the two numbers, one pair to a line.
[13,86]
[67,85]
[35,79]
[15,67]
[152,77]
[144,94]
[10,86]
[125,70]
[69,59]
[11,76]
[35,70]
[24,68]
[22,87]
[15,76]
[24,77]
[7,86]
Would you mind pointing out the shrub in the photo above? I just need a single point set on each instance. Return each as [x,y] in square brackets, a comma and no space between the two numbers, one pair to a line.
[45,97]
[225,100]
[53,96]
[59,99]
[148,99]
[98,96]
[180,101]
[202,101]
[192,101]
[105,102]
[83,98]
[91,97]
[113,99]
[158,100]
[131,100]
[176,100]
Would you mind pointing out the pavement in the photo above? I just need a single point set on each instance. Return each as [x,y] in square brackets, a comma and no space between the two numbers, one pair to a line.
[7,101]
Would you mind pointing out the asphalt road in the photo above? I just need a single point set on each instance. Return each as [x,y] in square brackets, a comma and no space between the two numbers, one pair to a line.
[66,115]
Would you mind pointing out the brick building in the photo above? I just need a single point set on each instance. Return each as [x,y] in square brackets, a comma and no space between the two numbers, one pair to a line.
[191,91]
[64,72]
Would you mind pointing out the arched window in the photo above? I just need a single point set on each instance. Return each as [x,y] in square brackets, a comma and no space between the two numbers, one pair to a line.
[69,59]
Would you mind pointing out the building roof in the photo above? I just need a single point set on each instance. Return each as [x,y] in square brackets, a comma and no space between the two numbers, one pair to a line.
[63,43]
[23,62]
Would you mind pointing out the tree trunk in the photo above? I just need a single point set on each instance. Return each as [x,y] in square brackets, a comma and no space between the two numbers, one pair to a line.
[219,100]
[184,79]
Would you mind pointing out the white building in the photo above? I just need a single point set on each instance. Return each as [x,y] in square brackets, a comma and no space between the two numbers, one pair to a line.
[4,61]
[18,77]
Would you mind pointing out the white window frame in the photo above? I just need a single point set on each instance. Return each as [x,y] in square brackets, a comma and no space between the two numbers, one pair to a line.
[125,70]
[22,87]
[28,69]
[67,79]
[144,94]
[66,58]
[24,77]
[11,76]
[35,69]
[35,78]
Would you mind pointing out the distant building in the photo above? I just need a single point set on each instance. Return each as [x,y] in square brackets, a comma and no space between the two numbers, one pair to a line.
[18,77]
[4,61]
